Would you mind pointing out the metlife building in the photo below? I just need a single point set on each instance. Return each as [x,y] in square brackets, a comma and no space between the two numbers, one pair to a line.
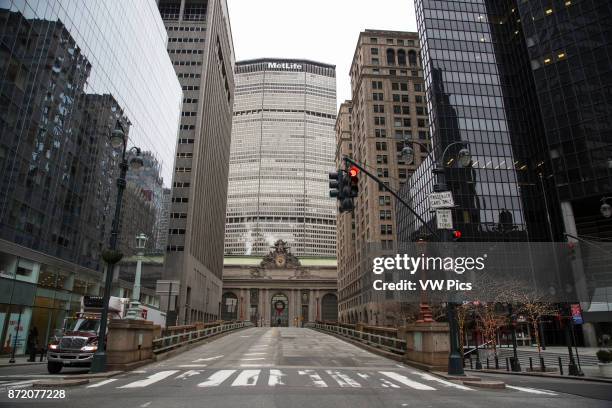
[283,143]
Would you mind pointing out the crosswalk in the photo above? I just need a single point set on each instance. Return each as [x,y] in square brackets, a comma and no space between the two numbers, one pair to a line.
[316,378]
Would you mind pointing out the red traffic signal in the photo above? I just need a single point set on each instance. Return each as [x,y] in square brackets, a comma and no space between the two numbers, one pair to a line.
[457,234]
[354,171]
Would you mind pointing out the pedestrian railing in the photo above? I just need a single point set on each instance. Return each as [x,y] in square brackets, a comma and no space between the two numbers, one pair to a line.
[168,343]
[392,344]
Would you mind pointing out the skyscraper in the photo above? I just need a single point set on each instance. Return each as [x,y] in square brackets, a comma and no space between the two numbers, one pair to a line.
[282,149]
[68,74]
[387,110]
[201,49]
[523,83]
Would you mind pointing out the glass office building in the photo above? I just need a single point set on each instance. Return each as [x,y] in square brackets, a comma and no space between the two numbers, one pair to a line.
[526,84]
[69,72]
[283,146]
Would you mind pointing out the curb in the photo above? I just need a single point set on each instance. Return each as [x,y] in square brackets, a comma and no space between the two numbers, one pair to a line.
[456,377]
[51,377]
[530,374]
[495,385]
[59,383]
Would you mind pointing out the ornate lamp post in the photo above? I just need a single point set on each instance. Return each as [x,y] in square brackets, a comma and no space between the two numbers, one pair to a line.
[134,310]
[112,256]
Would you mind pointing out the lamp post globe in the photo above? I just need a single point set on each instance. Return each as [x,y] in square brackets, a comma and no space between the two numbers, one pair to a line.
[408,154]
[606,210]
[117,138]
[464,157]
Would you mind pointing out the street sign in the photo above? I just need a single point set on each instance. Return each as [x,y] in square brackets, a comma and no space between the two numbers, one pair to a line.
[444,219]
[442,199]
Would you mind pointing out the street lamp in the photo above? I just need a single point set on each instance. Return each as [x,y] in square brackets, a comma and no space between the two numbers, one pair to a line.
[112,256]
[606,209]
[134,310]
[464,159]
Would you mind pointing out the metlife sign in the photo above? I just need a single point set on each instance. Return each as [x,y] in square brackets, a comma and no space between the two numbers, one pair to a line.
[290,66]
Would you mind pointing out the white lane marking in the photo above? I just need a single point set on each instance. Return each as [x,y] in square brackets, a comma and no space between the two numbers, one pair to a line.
[406,381]
[254,354]
[388,384]
[430,377]
[256,365]
[140,371]
[146,404]
[150,379]
[192,366]
[531,390]
[343,380]
[246,378]
[188,374]
[206,359]
[316,378]
[217,378]
[245,336]
[16,384]
[364,376]
[253,359]
[276,378]
[101,383]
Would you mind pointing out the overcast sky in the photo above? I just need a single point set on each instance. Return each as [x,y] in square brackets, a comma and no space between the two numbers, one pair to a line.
[320,30]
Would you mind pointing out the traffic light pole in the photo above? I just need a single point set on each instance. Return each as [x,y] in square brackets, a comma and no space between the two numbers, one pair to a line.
[393,193]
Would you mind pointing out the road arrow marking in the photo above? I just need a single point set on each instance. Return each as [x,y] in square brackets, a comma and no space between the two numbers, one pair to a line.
[150,379]
[217,378]
[406,381]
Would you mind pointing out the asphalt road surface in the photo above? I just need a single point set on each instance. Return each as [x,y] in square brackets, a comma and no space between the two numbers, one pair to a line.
[295,367]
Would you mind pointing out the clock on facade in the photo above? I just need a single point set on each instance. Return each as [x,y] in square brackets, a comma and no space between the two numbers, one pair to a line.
[280,260]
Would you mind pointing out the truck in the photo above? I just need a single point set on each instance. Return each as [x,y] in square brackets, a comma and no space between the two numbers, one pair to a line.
[77,341]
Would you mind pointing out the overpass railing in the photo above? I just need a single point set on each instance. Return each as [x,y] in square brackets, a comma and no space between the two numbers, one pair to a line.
[167,343]
[391,344]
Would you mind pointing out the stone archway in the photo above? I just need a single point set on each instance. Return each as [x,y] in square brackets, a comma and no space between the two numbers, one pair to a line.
[279,312]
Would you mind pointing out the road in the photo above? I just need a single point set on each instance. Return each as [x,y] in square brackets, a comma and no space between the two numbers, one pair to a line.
[292,367]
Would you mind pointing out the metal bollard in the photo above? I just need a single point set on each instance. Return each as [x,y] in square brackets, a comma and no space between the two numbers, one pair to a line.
[530,364]
[507,364]
[542,366]
[471,364]
[560,366]
[487,363]
[496,363]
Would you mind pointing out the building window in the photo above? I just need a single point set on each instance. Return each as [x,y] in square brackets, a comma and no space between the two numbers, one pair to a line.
[390,56]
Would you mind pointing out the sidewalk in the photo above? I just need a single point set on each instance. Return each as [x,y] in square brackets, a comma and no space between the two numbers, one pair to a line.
[21,361]
[583,351]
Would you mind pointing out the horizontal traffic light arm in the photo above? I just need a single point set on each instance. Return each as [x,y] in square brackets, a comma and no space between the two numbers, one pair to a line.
[393,193]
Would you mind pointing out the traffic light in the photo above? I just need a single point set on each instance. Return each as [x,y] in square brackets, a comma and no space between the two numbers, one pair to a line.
[336,182]
[571,250]
[353,172]
[340,187]
[456,235]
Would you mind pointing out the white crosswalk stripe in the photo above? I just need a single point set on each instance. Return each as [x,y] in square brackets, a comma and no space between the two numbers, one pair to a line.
[315,378]
[390,380]
[150,379]
[217,378]
[101,383]
[246,378]
[407,381]
[343,380]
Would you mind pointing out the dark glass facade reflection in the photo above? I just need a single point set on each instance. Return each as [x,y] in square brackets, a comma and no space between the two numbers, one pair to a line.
[525,84]
[69,72]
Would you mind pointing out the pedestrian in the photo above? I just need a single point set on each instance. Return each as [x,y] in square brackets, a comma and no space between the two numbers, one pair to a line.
[32,343]
[605,339]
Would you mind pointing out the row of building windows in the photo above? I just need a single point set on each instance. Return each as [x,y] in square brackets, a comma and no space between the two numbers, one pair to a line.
[186,75]
[180,199]
[180,184]
[190,88]
[253,111]
[188,63]
[179,215]
[185,51]
[178,28]
[176,231]
[185,140]
[184,155]
[190,100]
[189,114]
[181,39]
[398,41]
[182,169]
[175,248]
[187,127]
